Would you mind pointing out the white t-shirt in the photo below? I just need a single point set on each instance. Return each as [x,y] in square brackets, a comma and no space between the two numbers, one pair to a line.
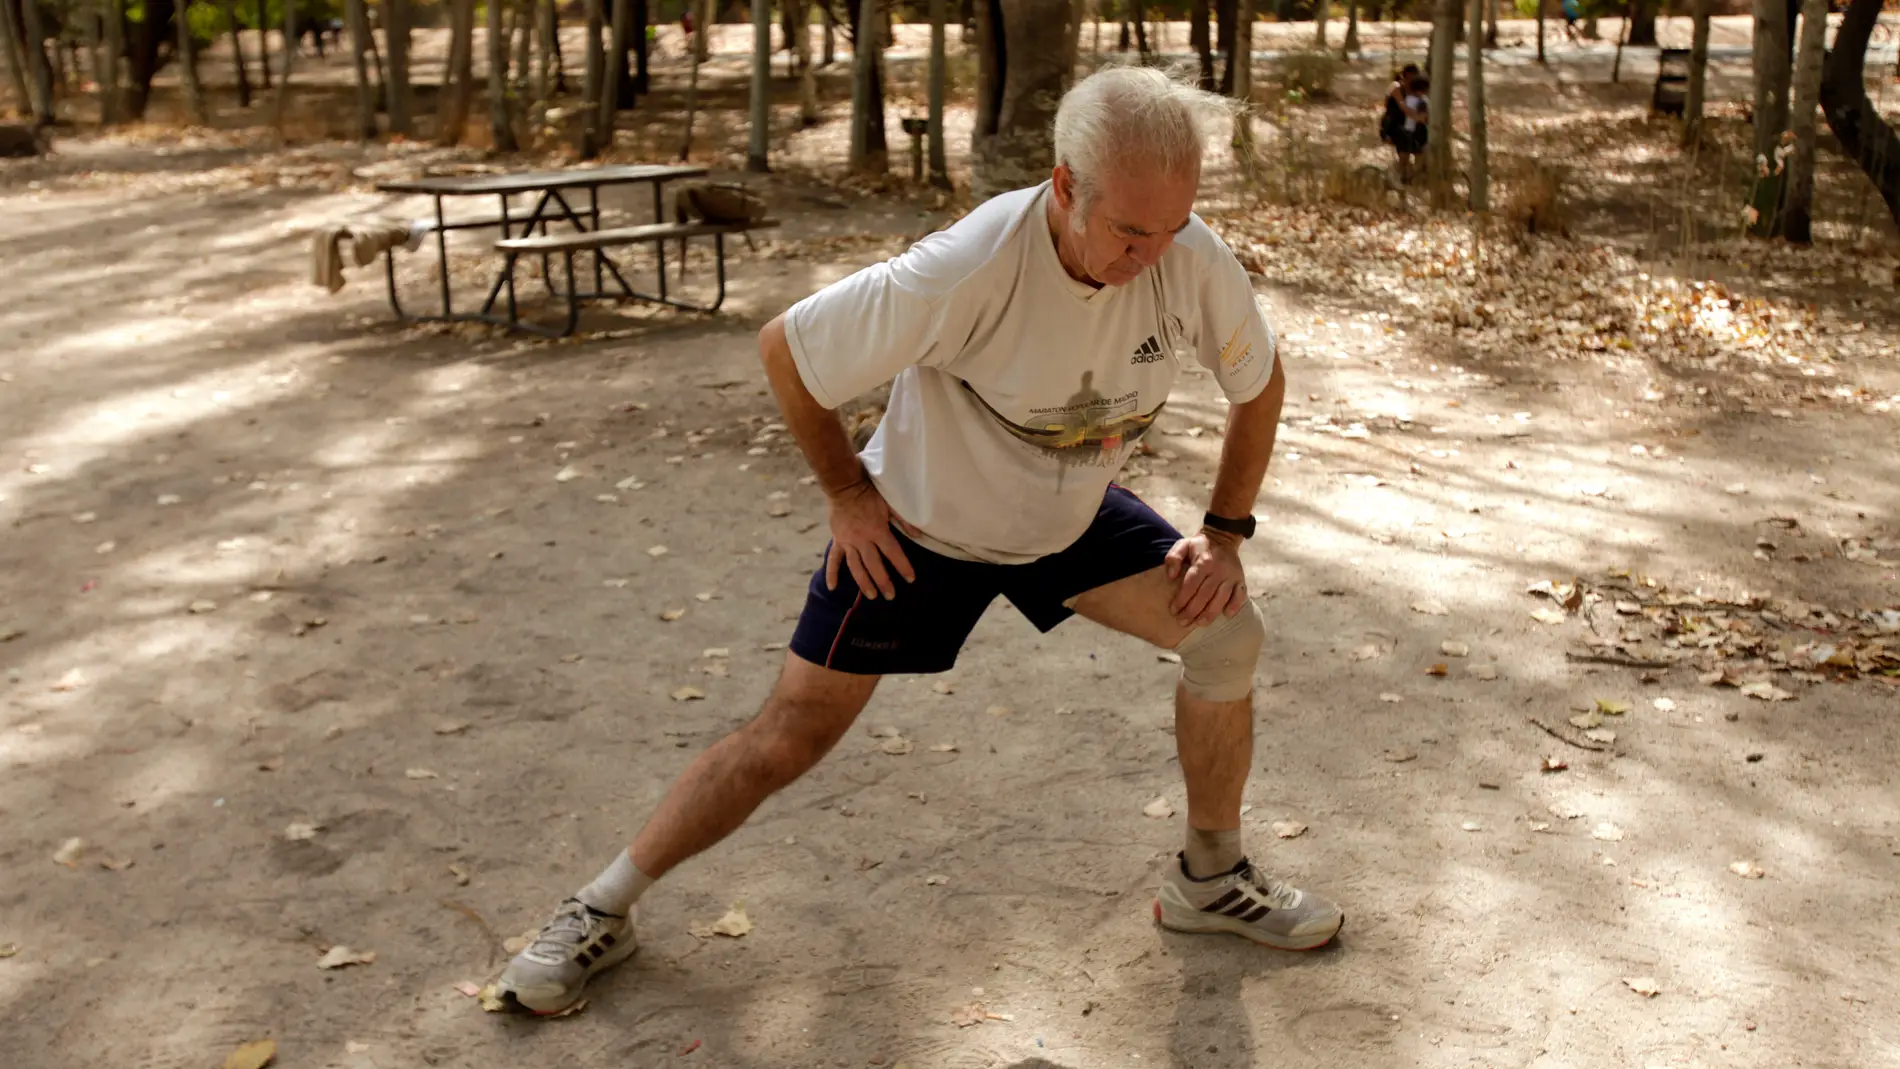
[1020,392]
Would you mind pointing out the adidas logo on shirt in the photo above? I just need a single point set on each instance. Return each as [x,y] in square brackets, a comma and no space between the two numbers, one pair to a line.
[1148,353]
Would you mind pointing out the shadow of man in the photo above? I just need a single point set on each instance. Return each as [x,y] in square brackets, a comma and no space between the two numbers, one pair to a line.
[1213,1028]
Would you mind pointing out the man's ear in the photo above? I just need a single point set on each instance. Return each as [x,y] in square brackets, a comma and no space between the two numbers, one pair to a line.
[1063,185]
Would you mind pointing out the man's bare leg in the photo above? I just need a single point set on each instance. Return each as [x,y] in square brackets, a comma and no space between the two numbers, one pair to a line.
[809,710]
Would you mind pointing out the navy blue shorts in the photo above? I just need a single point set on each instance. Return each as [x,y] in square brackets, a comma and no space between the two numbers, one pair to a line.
[924,627]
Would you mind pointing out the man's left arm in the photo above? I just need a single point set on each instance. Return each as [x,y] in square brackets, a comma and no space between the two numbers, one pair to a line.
[1207,563]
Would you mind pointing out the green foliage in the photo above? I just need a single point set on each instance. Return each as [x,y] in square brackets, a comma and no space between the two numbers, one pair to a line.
[1306,74]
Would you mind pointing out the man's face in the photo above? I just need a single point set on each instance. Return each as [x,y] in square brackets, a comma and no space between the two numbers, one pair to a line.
[1131,222]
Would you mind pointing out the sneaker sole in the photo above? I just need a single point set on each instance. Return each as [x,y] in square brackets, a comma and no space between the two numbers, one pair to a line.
[613,957]
[1218,925]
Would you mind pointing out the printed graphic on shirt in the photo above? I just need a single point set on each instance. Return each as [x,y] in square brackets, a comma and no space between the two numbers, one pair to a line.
[1087,429]
[1235,356]
[1148,352]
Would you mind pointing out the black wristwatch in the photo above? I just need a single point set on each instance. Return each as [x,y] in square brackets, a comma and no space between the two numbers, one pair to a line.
[1243,528]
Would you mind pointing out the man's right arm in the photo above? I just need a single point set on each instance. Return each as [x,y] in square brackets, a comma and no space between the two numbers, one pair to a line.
[861,536]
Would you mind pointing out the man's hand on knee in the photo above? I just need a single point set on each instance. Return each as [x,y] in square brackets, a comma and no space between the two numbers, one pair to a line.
[1218,659]
[1213,582]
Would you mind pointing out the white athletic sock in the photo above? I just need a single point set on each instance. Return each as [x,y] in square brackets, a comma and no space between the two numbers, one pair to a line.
[617,888]
[1211,853]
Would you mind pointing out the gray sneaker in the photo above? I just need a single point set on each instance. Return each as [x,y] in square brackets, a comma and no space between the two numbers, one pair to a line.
[546,978]
[1244,901]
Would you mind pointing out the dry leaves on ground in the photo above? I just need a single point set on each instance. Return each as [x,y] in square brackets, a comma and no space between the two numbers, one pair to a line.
[1288,829]
[1158,809]
[339,956]
[735,924]
[1645,986]
[253,1055]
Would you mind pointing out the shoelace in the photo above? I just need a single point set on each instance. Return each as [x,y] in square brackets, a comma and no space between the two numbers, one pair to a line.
[1276,892]
[567,930]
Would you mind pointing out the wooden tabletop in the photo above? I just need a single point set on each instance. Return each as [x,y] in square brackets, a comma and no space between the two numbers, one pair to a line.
[534,181]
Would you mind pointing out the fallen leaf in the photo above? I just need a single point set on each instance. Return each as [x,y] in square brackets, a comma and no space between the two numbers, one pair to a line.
[116,864]
[1553,764]
[69,852]
[1735,488]
[1486,672]
[656,551]
[253,1055]
[202,606]
[1388,696]
[1431,608]
[1168,657]
[733,925]
[1548,616]
[1158,809]
[1288,829]
[1399,757]
[469,989]
[998,710]
[778,508]
[670,615]
[715,653]
[297,833]
[1471,825]
[1713,677]
[935,881]
[566,475]
[351,1046]
[271,764]
[1439,669]
[8,950]
[688,694]
[1612,708]
[1664,705]
[72,680]
[1454,649]
[1747,870]
[1767,692]
[965,1016]
[340,956]
[1367,652]
[897,747]
[420,773]
[1602,735]
[944,686]
[460,874]
[1643,985]
[1587,720]
[944,747]
[1607,832]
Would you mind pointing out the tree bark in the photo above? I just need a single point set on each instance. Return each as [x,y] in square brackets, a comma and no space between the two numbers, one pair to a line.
[1798,218]
[357,16]
[111,103]
[1438,158]
[396,81]
[807,71]
[1020,82]
[187,51]
[16,59]
[593,60]
[1622,37]
[1864,136]
[1198,40]
[1479,170]
[869,150]
[39,71]
[692,94]
[263,46]
[642,51]
[1351,43]
[1319,24]
[1243,143]
[1224,11]
[545,31]
[1772,76]
[281,105]
[1692,100]
[501,129]
[458,89]
[1540,30]
[1642,25]
[759,136]
[237,54]
[1491,25]
[939,167]
[831,37]
[619,23]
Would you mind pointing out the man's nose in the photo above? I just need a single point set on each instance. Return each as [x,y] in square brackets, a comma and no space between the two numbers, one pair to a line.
[1148,250]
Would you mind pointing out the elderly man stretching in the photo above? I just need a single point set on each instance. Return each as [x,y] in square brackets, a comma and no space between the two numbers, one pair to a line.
[1031,345]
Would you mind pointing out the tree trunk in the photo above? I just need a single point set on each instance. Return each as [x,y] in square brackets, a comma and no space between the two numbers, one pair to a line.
[1771,111]
[938,166]
[1351,44]
[396,80]
[642,52]
[1243,143]
[1622,37]
[807,71]
[1491,24]
[703,12]
[111,104]
[16,59]
[760,119]
[501,130]
[1864,136]
[1198,39]
[237,54]
[620,22]
[458,89]
[187,51]
[544,33]
[1692,99]
[282,104]
[831,37]
[1141,32]
[1319,24]
[869,150]
[39,71]
[1438,158]
[520,78]
[357,16]
[552,45]
[594,59]
[692,97]
[1540,30]
[148,35]
[1021,79]
[1642,23]
[1798,218]
[1479,169]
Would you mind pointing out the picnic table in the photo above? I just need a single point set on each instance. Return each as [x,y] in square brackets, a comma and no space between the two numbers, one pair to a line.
[554,195]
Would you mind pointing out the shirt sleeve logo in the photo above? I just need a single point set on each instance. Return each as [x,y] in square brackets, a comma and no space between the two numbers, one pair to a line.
[1235,356]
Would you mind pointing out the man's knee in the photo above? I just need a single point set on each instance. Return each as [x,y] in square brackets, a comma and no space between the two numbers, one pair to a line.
[1217,661]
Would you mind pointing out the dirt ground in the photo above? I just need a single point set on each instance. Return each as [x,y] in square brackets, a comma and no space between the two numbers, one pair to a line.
[272,560]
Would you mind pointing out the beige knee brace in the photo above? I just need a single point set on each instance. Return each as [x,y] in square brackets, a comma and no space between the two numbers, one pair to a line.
[1217,661]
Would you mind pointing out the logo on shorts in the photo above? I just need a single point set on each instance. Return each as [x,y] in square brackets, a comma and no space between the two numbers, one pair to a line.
[1148,352]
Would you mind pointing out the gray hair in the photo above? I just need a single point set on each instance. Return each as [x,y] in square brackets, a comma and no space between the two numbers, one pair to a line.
[1120,116]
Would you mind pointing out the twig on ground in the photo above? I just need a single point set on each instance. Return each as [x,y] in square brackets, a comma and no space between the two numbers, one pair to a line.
[1615,659]
[1561,737]
[493,941]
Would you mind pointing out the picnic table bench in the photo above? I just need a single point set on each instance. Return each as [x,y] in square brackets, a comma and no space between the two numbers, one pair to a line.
[529,235]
